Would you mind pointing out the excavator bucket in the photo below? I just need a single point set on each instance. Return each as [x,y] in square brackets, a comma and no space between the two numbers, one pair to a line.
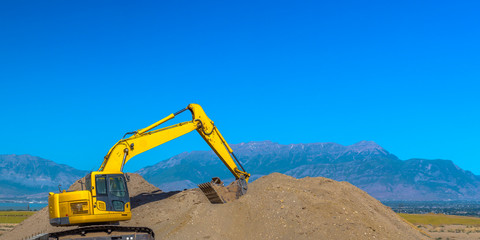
[216,192]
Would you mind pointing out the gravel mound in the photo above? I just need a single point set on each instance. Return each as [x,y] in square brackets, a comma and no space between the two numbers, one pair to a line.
[276,207]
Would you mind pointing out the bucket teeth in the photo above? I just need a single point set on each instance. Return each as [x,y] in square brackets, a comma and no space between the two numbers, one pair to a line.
[211,193]
[216,192]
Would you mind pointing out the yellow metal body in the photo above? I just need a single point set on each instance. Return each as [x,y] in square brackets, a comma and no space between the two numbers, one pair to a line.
[80,207]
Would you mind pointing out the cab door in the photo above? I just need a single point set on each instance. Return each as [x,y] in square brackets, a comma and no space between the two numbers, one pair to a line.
[111,189]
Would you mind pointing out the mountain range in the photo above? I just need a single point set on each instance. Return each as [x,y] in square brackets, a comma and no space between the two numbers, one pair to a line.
[365,164]
[26,176]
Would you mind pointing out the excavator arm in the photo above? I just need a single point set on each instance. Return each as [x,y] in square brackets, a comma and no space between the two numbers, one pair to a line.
[147,138]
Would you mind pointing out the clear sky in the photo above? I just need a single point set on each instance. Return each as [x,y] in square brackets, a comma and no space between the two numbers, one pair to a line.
[76,75]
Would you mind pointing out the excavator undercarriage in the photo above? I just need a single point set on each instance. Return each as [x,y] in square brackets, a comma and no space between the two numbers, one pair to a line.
[100,232]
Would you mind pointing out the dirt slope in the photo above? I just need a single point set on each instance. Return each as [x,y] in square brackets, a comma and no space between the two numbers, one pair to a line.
[276,207]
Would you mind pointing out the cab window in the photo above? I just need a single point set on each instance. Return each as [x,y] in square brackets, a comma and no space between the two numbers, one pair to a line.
[88,182]
[117,186]
[101,184]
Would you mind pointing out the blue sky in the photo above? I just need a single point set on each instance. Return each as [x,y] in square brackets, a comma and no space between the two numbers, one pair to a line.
[75,76]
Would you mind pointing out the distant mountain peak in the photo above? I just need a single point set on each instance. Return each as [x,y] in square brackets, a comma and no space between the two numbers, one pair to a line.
[366,146]
[365,143]
[253,143]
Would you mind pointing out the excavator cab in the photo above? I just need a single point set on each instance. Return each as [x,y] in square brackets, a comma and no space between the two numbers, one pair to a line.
[104,200]
[111,192]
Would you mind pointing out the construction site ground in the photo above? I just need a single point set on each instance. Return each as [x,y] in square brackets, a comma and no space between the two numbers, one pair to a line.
[276,207]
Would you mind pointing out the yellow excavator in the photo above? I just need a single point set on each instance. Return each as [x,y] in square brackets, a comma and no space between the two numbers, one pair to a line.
[106,196]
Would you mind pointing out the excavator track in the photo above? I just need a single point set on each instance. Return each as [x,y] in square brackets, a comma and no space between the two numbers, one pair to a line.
[101,232]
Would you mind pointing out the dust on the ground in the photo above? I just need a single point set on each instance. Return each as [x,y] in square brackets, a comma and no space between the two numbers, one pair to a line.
[6,227]
[276,207]
[452,231]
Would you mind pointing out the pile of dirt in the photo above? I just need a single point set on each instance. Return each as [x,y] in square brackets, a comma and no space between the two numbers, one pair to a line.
[276,207]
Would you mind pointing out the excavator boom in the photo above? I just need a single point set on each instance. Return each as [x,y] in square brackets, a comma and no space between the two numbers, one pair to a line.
[145,139]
